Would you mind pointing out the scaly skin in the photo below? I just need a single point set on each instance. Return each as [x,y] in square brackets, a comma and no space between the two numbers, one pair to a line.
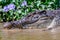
[29,19]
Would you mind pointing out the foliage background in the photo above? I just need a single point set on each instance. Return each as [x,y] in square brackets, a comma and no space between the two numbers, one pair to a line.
[21,11]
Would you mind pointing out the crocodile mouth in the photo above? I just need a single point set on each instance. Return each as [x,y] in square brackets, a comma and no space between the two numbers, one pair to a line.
[45,18]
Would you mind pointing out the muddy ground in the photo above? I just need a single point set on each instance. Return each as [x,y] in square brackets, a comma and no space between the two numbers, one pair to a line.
[29,34]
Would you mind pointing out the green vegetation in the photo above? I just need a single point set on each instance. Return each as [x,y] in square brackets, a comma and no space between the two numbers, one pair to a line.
[20,8]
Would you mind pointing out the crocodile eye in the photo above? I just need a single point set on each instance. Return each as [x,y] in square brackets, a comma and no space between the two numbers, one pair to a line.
[42,12]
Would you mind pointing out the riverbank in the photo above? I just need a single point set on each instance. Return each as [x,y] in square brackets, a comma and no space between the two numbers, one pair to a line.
[29,34]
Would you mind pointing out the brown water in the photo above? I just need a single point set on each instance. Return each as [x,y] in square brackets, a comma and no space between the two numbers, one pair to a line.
[29,34]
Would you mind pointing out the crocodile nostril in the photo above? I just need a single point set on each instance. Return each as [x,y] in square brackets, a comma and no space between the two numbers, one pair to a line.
[36,17]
